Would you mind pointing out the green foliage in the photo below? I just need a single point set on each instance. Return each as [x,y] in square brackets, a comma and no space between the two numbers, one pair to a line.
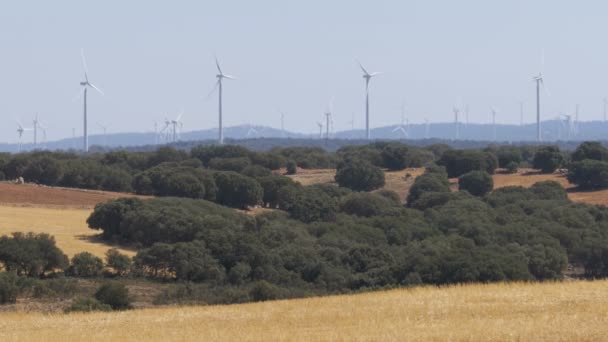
[359,175]
[230,164]
[459,162]
[109,216]
[508,155]
[31,254]
[549,190]
[512,167]
[292,167]
[236,190]
[477,183]
[176,179]
[256,171]
[428,182]
[8,288]
[589,174]
[547,159]
[119,262]
[86,265]
[87,305]
[367,204]
[395,157]
[206,153]
[271,185]
[116,295]
[590,150]
[307,204]
[43,170]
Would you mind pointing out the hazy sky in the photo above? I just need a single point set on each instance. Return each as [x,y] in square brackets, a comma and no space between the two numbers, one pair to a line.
[153,58]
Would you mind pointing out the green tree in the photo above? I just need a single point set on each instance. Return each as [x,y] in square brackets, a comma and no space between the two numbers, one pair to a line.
[119,262]
[590,150]
[360,176]
[86,265]
[547,159]
[238,191]
[477,183]
[589,174]
[395,157]
[116,295]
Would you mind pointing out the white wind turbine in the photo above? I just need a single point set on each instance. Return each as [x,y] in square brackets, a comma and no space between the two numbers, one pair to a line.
[404,126]
[456,122]
[219,85]
[494,111]
[20,131]
[320,129]
[86,84]
[540,82]
[175,123]
[104,128]
[165,131]
[367,76]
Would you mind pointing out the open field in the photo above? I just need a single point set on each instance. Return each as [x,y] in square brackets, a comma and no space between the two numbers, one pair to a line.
[68,226]
[567,311]
[53,197]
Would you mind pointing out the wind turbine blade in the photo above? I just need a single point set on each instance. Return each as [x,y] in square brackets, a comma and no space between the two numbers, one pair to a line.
[362,68]
[376,73]
[396,129]
[217,63]
[84,61]
[217,84]
[229,77]
[179,116]
[95,87]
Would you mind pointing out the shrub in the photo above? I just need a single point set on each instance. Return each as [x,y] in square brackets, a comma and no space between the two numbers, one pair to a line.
[109,215]
[179,180]
[88,305]
[589,174]
[549,190]
[44,170]
[229,164]
[360,176]
[85,265]
[366,204]
[459,162]
[547,159]
[119,262]
[271,186]
[292,167]
[8,288]
[256,171]
[116,295]
[477,183]
[508,155]
[263,291]
[307,204]
[428,182]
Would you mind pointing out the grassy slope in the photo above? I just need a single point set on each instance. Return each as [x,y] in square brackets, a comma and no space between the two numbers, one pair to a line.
[549,312]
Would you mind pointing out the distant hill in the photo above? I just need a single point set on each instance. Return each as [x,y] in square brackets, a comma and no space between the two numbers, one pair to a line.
[552,131]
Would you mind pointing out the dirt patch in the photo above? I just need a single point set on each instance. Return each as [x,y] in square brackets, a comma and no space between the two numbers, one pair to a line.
[31,195]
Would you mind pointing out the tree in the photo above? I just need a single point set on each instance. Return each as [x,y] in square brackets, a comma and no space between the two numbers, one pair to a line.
[292,167]
[307,204]
[395,157]
[86,265]
[360,176]
[271,186]
[8,288]
[119,262]
[589,174]
[43,170]
[459,162]
[477,183]
[428,182]
[31,254]
[549,190]
[547,159]
[108,216]
[366,204]
[512,167]
[590,150]
[236,190]
[115,295]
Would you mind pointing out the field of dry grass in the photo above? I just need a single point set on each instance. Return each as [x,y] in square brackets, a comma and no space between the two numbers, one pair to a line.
[68,226]
[568,311]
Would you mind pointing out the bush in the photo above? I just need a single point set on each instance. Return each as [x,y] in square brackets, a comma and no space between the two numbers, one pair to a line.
[256,171]
[179,180]
[549,190]
[547,159]
[86,265]
[307,204]
[508,155]
[459,162]
[589,174]
[87,305]
[360,176]
[8,288]
[263,291]
[119,262]
[477,183]
[292,167]
[271,186]
[229,164]
[116,295]
[366,204]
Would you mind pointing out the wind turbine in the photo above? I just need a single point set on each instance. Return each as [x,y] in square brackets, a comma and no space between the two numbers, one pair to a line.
[539,82]
[494,122]
[328,119]
[320,129]
[164,132]
[175,123]
[404,123]
[283,133]
[456,122]
[367,76]
[252,131]
[20,131]
[86,84]
[105,129]
[219,86]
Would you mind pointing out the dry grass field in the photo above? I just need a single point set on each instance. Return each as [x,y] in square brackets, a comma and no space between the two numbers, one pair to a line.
[567,311]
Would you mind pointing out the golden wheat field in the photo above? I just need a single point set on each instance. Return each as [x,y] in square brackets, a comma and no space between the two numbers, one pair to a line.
[67,225]
[567,311]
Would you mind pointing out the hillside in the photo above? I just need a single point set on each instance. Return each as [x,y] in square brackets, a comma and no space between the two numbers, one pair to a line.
[566,311]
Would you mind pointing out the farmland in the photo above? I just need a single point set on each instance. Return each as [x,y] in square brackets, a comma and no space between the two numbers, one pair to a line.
[564,311]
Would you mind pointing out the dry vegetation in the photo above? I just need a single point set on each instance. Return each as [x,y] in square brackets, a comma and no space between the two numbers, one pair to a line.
[568,311]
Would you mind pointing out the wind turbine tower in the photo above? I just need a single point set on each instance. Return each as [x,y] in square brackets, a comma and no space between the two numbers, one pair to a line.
[494,123]
[367,76]
[219,85]
[86,84]
[456,122]
[539,82]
